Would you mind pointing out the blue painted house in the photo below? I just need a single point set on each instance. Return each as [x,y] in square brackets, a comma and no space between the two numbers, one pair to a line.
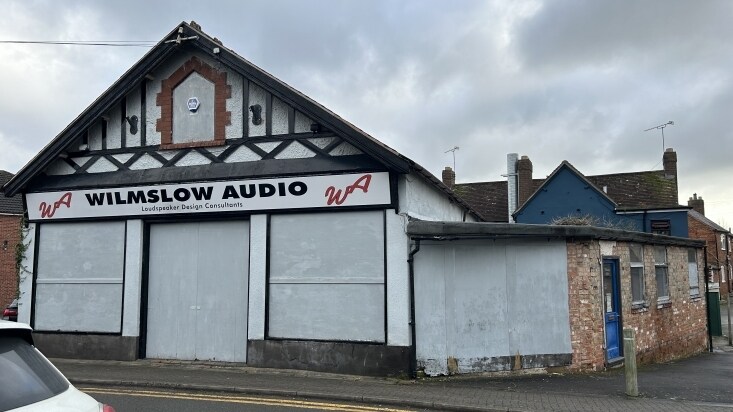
[641,201]
[568,193]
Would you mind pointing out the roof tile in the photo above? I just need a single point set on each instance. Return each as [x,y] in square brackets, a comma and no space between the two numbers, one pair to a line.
[9,205]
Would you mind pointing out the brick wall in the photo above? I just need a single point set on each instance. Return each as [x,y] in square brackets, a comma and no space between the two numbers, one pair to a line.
[716,256]
[663,332]
[586,309]
[10,232]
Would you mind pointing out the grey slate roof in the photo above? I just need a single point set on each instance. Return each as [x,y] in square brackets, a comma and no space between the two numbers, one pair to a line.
[490,199]
[639,190]
[634,190]
[9,205]
[701,218]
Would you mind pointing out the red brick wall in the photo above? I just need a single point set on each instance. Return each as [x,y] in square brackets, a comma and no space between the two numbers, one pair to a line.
[663,332]
[586,309]
[716,256]
[10,231]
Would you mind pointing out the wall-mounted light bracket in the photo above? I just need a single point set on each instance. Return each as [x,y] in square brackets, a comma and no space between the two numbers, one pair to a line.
[132,121]
[256,110]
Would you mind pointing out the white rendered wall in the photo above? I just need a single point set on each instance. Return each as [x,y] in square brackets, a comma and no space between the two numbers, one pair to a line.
[26,276]
[133,276]
[420,199]
[257,275]
[398,286]
[133,109]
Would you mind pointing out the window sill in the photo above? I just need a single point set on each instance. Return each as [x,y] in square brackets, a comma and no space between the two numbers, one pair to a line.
[189,145]
[696,297]
[639,307]
[664,303]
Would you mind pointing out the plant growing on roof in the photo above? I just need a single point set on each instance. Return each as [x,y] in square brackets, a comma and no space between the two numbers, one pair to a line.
[590,220]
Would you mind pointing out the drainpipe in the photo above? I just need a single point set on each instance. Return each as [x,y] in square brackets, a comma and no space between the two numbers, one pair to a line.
[707,300]
[643,222]
[413,347]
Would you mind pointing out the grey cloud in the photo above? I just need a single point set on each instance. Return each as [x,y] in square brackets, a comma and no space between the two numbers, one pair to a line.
[567,33]
[571,80]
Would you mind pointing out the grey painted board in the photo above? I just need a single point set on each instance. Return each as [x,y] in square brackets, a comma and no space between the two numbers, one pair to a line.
[344,312]
[471,300]
[327,276]
[341,245]
[198,125]
[78,307]
[197,291]
[81,250]
[538,297]
[221,325]
[477,301]
[79,277]
[430,306]
[173,261]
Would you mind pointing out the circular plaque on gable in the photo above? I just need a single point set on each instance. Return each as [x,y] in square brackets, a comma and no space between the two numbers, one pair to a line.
[193,104]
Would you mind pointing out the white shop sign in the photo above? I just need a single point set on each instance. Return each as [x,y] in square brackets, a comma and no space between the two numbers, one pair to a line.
[363,189]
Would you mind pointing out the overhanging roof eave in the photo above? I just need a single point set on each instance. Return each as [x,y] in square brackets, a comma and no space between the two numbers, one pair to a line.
[101,105]
[470,230]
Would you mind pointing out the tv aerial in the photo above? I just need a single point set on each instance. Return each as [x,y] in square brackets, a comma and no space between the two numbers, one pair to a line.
[661,127]
[453,150]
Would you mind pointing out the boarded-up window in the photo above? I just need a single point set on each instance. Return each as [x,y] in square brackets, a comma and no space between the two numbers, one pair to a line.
[326,278]
[661,227]
[80,275]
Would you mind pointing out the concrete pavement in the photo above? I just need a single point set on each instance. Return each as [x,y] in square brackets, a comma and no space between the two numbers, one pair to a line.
[701,383]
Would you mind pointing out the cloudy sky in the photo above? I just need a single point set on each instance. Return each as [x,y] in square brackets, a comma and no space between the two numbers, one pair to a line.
[555,80]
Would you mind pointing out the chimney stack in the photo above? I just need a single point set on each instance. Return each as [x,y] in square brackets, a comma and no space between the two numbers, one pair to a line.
[524,180]
[670,164]
[449,177]
[697,204]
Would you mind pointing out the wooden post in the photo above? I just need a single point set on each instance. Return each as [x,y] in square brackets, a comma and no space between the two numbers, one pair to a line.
[632,387]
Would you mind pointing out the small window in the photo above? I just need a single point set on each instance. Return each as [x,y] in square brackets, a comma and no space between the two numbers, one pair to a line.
[722,241]
[722,274]
[636,258]
[692,268]
[660,271]
[661,227]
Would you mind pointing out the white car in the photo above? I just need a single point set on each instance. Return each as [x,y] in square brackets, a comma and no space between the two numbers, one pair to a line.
[29,382]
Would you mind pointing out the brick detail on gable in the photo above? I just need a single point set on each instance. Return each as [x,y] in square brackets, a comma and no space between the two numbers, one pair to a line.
[164,99]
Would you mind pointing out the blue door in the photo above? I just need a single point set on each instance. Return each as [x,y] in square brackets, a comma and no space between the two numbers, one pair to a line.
[612,309]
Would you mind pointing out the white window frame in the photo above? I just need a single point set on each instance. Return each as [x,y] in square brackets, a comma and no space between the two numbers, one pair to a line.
[693,273]
[637,265]
[723,274]
[722,241]
[661,268]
